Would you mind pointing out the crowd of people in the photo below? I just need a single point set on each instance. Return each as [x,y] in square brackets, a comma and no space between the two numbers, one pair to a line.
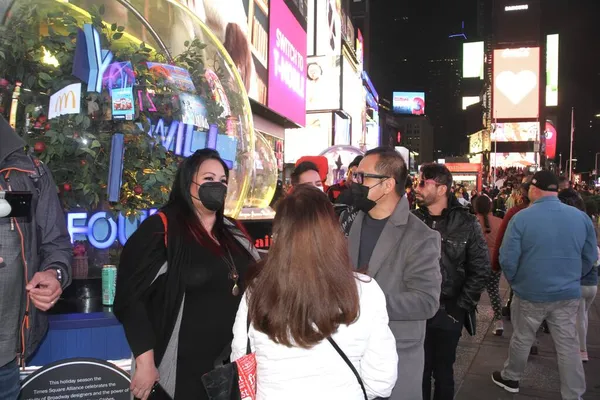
[469,221]
[364,293]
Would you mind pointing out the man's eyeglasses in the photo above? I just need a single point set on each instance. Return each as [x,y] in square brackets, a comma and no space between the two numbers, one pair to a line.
[424,182]
[359,177]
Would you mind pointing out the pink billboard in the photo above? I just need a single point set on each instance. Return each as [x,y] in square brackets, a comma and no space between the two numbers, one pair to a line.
[287,64]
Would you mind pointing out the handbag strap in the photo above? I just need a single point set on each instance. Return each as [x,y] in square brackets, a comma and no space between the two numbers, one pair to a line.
[248,349]
[343,355]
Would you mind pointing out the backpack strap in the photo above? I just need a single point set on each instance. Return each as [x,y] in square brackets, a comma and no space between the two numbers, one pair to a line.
[38,172]
[165,222]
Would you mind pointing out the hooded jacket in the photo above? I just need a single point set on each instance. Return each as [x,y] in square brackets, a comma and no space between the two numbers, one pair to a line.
[46,241]
[465,260]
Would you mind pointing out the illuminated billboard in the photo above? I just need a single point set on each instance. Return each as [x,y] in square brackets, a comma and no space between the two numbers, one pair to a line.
[516,132]
[552,70]
[323,84]
[412,103]
[287,64]
[469,101]
[473,56]
[244,31]
[506,160]
[516,76]
[550,140]
[302,142]
[354,101]
[329,27]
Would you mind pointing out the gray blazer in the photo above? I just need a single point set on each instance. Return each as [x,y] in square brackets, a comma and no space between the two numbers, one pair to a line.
[406,264]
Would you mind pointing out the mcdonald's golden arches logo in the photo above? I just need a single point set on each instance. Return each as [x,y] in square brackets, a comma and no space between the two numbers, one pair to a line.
[65,101]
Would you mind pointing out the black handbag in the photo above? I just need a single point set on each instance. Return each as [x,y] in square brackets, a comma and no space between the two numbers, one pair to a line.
[222,383]
[343,355]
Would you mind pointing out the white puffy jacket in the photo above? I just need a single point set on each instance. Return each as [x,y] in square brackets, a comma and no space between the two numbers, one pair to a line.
[320,372]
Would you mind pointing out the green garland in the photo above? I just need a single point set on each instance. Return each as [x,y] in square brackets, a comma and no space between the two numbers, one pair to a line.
[76,148]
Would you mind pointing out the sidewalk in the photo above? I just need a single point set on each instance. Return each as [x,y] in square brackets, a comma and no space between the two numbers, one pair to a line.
[478,356]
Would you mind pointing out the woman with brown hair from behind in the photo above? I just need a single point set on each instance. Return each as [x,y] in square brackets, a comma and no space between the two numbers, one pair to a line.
[304,294]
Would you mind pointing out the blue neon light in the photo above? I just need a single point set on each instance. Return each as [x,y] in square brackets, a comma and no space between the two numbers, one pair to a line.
[370,86]
[184,139]
[100,230]
[90,61]
[115,169]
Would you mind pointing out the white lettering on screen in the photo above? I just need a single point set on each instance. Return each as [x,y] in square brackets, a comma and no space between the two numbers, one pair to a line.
[516,53]
[289,64]
[519,7]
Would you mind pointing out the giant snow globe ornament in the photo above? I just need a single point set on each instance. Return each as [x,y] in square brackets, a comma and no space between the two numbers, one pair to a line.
[263,181]
[339,157]
[111,95]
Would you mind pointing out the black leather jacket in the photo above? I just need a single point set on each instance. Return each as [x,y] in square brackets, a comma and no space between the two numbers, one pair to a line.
[465,261]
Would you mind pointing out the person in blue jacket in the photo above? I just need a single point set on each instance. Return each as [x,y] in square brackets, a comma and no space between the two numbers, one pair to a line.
[546,251]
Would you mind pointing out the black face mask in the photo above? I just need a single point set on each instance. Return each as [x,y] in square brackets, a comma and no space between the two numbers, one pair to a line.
[212,195]
[360,199]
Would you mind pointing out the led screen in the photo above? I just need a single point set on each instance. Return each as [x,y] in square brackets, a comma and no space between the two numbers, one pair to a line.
[287,64]
[323,85]
[515,91]
[515,132]
[329,27]
[505,160]
[473,54]
[552,70]
[409,103]
[550,140]
[516,21]
[303,142]
[354,101]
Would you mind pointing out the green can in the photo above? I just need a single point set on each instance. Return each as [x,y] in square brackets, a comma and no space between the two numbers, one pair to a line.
[109,284]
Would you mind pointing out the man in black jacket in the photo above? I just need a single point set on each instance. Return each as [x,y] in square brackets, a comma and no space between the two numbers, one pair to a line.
[465,265]
[35,258]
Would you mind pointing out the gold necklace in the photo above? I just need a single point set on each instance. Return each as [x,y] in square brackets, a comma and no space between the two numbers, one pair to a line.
[233,273]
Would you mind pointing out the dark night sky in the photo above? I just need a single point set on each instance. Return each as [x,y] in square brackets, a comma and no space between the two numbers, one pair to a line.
[406,34]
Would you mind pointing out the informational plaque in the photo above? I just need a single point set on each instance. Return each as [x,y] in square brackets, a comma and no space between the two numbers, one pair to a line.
[77,378]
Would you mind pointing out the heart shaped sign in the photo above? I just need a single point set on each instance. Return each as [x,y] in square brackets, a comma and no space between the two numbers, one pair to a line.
[516,86]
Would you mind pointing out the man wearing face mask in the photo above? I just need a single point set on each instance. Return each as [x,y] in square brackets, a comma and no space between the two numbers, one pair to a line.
[401,253]
[339,193]
[465,265]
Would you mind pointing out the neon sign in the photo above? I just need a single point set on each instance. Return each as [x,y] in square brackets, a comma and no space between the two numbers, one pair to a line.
[184,139]
[149,95]
[100,230]
[91,60]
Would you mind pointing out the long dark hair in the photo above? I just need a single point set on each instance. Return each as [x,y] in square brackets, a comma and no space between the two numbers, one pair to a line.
[306,287]
[483,207]
[180,202]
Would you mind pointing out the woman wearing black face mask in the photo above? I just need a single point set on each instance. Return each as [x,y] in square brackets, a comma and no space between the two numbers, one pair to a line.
[180,281]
